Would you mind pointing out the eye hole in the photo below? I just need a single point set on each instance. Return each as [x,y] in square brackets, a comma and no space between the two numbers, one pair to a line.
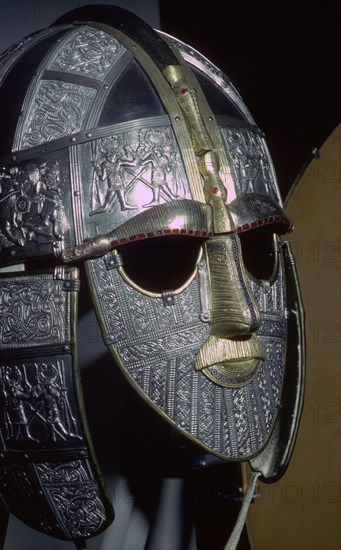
[259,252]
[161,263]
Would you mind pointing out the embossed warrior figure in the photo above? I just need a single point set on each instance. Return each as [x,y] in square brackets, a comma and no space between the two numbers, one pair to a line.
[17,394]
[11,189]
[31,205]
[52,395]
[160,162]
[112,169]
[53,213]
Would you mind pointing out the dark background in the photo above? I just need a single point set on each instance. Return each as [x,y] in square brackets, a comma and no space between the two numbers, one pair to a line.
[284,61]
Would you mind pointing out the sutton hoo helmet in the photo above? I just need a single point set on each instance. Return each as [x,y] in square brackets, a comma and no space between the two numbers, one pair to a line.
[126,150]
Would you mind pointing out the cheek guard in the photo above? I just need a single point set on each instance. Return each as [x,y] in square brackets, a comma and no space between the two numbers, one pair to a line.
[135,155]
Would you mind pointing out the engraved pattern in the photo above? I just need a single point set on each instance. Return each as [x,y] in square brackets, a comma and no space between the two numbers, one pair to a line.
[110,309]
[158,381]
[272,327]
[31,207]
[241,423]
[186,306]
[254,419]
[58,110]
[71,472]
[39,416]
[136,170]
[176,343]
[275,372]
[89,52]
[250,164]
[164,315]
[82,511]
[74,495]
[32,313]
[137,305]
[265,398]
[272,303]
[206,419]
[233,422]
[183,392]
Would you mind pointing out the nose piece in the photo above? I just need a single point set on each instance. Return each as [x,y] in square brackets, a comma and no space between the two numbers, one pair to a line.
[233,310]
[232,355]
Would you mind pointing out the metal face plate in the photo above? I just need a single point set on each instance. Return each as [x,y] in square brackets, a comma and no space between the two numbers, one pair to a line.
[156,345]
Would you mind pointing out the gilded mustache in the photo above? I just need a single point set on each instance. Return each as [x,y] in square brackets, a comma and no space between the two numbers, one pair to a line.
[230,362]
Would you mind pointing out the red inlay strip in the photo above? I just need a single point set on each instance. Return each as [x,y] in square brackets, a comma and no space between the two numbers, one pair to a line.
[160,232]
[265,221]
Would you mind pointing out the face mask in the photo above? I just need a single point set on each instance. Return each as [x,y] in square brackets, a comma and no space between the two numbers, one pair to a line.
[136,155]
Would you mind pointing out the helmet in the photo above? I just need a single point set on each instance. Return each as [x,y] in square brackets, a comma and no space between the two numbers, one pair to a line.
[129,151]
